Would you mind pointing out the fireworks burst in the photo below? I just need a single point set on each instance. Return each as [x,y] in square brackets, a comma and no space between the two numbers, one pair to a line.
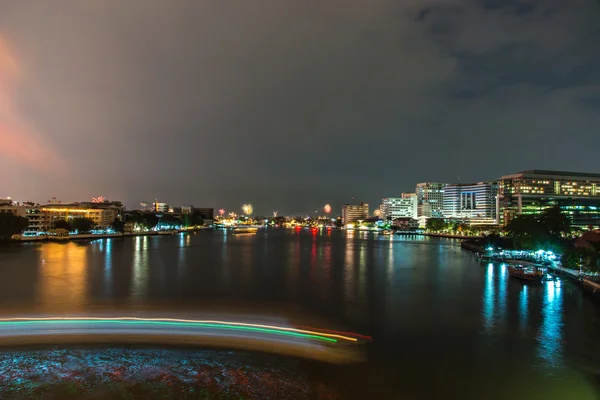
[99,199]
[275,214]
[327,208]
[247,209]
[221,212]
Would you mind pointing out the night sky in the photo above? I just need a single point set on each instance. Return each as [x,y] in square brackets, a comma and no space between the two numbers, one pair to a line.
[289,105]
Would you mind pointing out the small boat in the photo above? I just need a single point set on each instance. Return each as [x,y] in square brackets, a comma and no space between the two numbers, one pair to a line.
[386,232]
[244,230]
[527,273]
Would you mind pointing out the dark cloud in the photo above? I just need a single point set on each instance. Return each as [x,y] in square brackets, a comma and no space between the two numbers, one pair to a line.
[291,105]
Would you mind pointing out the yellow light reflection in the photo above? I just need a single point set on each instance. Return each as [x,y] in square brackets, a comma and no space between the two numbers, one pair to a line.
[63,275]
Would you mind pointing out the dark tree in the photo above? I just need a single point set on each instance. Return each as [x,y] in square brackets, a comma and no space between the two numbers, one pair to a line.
[192,220]
[82,224]
[436,224]
[117,225]
[581,257]
[62,224]
[555,222]
[169,220]
[147,220]
[543,231]
[11,224]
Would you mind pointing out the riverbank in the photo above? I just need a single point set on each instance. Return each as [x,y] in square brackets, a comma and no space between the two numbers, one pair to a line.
[450,236]
[94,236]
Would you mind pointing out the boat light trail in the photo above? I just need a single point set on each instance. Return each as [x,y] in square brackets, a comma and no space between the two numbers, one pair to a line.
[305,333]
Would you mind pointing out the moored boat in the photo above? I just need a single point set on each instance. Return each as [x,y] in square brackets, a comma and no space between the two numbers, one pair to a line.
[239,230]
[527,273]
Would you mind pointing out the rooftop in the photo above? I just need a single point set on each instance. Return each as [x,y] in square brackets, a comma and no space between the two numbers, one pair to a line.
[546,172]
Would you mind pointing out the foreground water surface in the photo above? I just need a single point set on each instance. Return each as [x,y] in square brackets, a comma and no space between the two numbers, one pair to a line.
[442,324]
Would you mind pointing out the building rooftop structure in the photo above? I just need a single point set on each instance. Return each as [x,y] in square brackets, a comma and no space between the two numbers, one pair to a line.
[555,173]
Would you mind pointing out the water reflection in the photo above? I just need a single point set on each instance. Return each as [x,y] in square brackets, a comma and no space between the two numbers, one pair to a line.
[140,267]
[524,306]
[489,295]
[550,334]
[63,274]
[184,240]
[108,267]
[501,294]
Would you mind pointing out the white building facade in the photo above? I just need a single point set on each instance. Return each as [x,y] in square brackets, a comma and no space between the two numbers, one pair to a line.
[470,200]
[399,207]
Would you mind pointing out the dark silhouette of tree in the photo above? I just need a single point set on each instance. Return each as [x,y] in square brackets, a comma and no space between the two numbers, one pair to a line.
[555,222]
[584,257]
[147,220]
[436,224]
[542,231]
[192,220]
[11,224]
[118,225]
[82,225]
[62,224]
[169,220]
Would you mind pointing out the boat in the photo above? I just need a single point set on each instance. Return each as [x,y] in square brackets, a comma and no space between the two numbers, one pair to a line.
[244,230]
[527,273]
[386,232]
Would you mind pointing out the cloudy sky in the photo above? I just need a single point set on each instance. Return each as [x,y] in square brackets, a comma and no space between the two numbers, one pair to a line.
[291,104]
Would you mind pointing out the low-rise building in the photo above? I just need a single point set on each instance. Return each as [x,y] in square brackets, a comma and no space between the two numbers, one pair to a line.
[37,219]
[406,224]
[103,214]
[160,207]
[354,212]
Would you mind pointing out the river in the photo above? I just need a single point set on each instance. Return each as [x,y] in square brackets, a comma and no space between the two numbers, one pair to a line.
[442,324]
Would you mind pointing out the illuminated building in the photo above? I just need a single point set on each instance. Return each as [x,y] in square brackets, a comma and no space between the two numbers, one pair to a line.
[160,207]
[530,192]
[186,209]
[430,199]
[354,212]
[8,206]
[103,214]
[399,207]
[470,200]
[37,219]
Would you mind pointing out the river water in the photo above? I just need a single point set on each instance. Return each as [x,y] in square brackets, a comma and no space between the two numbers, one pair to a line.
[442,324]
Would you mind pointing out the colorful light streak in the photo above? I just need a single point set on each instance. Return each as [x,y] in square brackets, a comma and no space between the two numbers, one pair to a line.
[305,333]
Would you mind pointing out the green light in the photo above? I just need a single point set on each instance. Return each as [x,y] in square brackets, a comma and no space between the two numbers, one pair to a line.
[181,324]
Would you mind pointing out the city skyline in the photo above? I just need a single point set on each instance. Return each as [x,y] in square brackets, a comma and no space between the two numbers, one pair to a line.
[290,106]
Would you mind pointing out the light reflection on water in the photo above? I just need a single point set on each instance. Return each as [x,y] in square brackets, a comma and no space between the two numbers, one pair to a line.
[550,333]
[523,306]
[64,272]
[108,267]
[496,306]
[489,295]
[140,267]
